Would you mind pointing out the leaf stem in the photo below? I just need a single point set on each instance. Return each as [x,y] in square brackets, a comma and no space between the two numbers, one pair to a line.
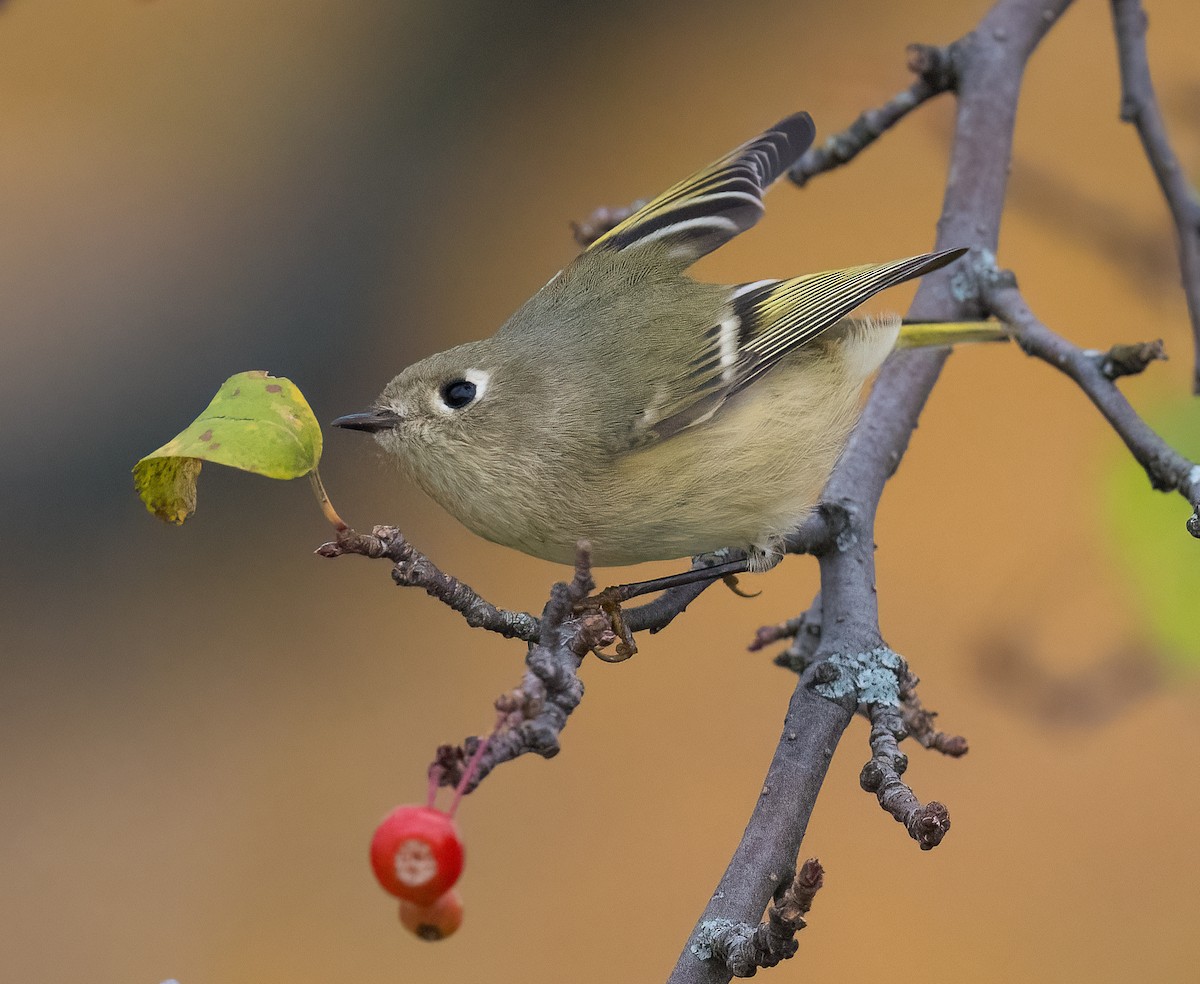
[323,498]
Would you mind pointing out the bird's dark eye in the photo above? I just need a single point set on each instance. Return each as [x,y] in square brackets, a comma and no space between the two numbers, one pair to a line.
[457,393]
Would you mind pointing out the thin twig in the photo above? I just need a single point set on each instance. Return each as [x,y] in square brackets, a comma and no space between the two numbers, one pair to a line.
[1167,469]
[873,680]
[768,634]
[744,948]
[413,569]
[820,531]
[534,714]
[918,721]
[802,653]
[936,74]
[656,615]
[927,823]
[1139,106]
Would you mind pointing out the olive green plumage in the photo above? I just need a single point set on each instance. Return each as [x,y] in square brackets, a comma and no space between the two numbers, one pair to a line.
[650,414]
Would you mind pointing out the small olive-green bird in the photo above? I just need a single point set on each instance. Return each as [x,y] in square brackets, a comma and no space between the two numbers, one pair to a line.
[631,406]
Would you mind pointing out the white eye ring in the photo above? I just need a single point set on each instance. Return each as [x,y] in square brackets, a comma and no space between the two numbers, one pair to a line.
[475,378]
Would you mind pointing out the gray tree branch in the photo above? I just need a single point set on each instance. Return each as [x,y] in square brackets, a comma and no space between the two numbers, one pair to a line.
[1167,469]
[412,569]
[936,73]
[1139,106]
[989,65]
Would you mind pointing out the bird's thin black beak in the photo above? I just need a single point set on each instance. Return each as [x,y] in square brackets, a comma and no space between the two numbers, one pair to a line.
[372,421]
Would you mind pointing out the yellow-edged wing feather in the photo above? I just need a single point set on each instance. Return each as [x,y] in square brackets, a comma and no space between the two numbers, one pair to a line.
[712,206]
[768,320]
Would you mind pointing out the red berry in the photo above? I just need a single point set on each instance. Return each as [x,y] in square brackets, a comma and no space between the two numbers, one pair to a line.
[416,853]
[433,922]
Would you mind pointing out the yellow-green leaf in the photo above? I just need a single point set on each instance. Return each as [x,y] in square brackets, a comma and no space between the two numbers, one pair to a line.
[256,422]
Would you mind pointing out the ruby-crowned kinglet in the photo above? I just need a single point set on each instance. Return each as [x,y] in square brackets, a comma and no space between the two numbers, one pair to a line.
[631,406]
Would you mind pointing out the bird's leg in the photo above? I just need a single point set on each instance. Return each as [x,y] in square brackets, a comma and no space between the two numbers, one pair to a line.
[610,600]
[626,592]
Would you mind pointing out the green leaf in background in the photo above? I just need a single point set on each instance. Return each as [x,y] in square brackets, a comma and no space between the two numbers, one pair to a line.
[1161,560]
[256,422]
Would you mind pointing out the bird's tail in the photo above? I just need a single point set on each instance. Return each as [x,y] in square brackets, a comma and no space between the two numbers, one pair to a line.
[931,334]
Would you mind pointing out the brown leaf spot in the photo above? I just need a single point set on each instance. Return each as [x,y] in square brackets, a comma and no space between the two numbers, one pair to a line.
[274,388]
[238,391]
[214,445]
[207,435]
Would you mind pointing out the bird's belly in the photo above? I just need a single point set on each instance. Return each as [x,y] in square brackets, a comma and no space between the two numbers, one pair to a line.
[664,528]
[749,475]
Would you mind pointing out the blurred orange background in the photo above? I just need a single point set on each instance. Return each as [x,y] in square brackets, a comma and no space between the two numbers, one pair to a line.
[202,726]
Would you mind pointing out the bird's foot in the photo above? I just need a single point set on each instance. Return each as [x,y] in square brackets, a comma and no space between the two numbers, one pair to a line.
[608,603]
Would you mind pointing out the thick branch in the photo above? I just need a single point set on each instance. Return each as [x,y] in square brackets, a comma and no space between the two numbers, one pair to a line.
[1139,106]
[767,854]
[990,64]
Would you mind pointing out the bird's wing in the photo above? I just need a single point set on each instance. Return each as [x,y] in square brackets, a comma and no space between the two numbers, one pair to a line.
[764,322]
[708,209]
